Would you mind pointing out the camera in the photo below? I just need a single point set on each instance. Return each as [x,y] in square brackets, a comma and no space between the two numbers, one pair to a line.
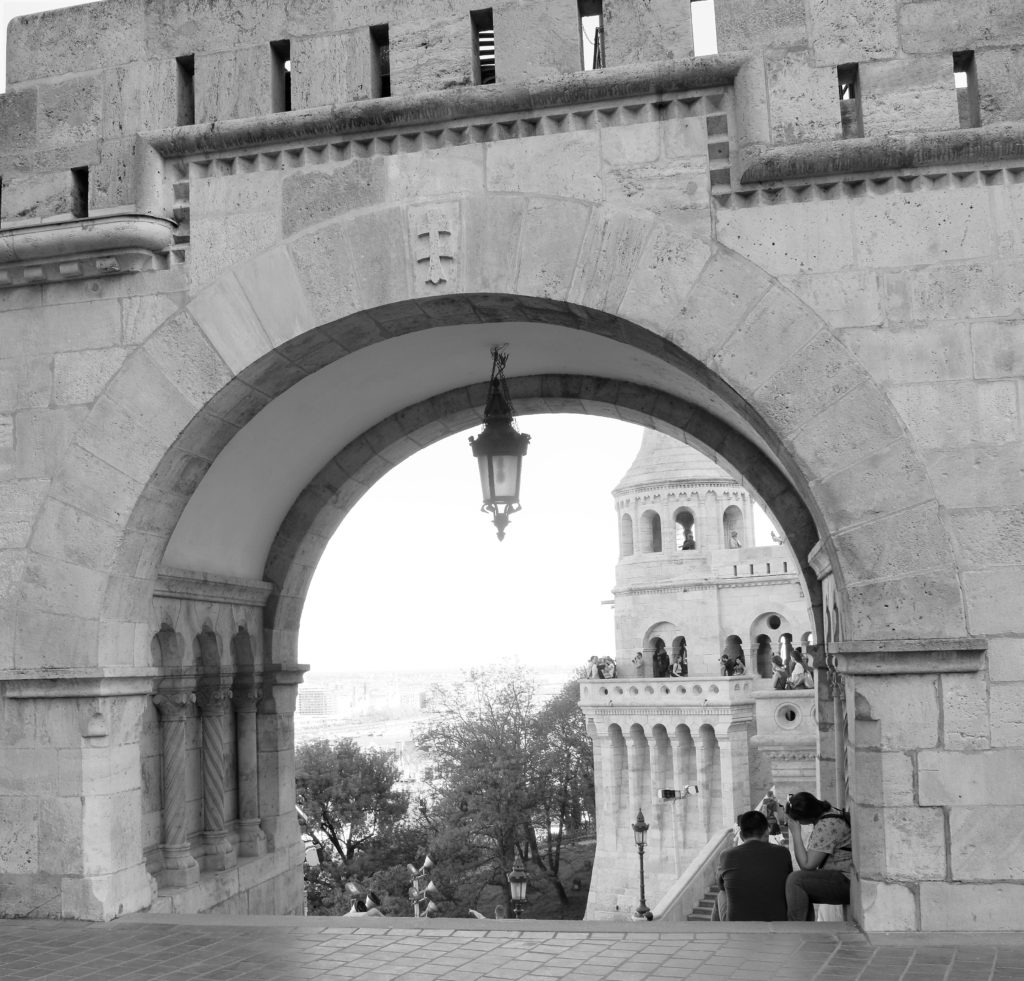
[688,791]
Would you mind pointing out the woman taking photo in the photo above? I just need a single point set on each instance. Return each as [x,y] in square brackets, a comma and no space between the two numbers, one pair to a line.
[823,864]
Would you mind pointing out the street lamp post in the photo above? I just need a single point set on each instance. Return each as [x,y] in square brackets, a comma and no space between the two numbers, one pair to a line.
[640,829]
[517,882]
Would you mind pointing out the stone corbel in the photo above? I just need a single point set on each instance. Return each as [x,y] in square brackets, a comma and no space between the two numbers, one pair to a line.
[941,655]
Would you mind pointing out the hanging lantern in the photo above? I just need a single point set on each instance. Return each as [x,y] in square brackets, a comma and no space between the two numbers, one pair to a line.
[499,449]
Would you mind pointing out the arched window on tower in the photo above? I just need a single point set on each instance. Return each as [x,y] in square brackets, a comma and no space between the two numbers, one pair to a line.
[732,525]
[678,665]
[650,532]
[626,536]
[685,529]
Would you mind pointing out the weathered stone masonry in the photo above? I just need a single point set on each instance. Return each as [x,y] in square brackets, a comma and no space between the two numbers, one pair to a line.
[215,336]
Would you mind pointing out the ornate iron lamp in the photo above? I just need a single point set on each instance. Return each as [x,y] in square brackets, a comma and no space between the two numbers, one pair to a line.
[640,829]
[517,882]
[500,448]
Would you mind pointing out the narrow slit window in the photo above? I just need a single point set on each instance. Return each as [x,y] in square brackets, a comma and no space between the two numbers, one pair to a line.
[591,14]
[849,100]
[483,46]
[281,76]
[965,80]
[186,90]
[80,192]
[705,30]
[768,568]
[751,568]
[381,46]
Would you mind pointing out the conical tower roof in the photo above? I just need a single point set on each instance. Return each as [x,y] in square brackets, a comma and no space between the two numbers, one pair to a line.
[663,459]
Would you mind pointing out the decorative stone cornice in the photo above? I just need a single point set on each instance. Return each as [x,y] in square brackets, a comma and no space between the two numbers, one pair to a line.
[819,561]
[85,248]
[181,585]
[942,655]
[76,682]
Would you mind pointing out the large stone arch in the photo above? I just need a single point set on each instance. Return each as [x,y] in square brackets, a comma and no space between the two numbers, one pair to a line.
[697,326]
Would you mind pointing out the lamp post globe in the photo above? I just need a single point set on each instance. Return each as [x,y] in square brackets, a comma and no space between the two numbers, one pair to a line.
[517,883]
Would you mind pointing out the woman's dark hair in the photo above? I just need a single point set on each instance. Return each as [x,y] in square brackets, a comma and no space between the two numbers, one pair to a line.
[806,807]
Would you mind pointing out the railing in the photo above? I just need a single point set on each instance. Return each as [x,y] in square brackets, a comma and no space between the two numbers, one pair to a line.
[695,881]
[692,690]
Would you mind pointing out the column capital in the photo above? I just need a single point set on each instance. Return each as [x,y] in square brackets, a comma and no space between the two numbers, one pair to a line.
[213,697]
[935,655]
[173,704]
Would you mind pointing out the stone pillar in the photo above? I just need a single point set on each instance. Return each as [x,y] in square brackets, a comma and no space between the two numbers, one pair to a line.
[734,756]
[251,839]
[219,852]
[180,869]
[705,751]
[912,802]
[275,739]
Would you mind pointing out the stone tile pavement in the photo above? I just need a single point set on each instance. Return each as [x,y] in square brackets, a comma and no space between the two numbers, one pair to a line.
[223,948]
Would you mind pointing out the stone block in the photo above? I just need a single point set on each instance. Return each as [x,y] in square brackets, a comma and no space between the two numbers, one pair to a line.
[998,349]
[19,846]
[768,340]
[379,243]
[908,95]
[95,487]
[673,260]
[553,232]
[966,908]
[964,291]
[44,331]
[139,97]
[748,25]
[939,352]
[977,476]
[79,376]
[608,259]
[65,533]
[102,897]
[655,31]
[850,299]
[435,243]
[187,358]
[31,895]
[99,771]
[501,222]
[60,825]
[112,179]
[972,832]
[70,110]
[313,196]
[788,239]
[907,708]
[18,119]
[965,711]
[29,771]
[230,324]
[1006,720]
[331,69]
[141,315]
[60,587]
[885,906]
[958,413]
[949,25]
[1005,661]
[87,37]
[432,55]
[233,84]
[926,605]
[25,383]
[276,295]
[19,506]
[41,438]
[39,195]
[844,31]
[557,165]
[817,375]
[999,92]
[987,537]
[535,41]
[432,174]
[882,779]
[54,640]
[674,190]
[971,779]
[905,844]
[804,99]
[993,600]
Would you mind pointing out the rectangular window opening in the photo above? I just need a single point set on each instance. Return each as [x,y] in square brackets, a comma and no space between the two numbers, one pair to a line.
[768,568]
[381,47]
[849,100]
[281,76]
[80,192]
[751,568]
[735,571]
[591,16]
[785,567]
[965,80]
[186,90]
[483,46]
[705,30]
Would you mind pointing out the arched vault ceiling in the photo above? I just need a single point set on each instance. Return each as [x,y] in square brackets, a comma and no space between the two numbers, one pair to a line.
[231,520]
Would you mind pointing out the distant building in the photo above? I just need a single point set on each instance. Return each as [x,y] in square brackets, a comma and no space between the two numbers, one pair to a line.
[316,701]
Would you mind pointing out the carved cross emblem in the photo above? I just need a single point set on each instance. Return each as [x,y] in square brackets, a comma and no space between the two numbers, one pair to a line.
[434,245]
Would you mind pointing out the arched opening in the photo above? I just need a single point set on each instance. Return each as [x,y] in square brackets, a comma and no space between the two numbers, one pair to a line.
[763,655]
[660,659]
[734,658]
[685,530]
[650,531]
[625,536]
[733,532]
[679,663]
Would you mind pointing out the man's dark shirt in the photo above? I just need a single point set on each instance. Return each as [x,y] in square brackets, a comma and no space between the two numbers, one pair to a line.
[753,876]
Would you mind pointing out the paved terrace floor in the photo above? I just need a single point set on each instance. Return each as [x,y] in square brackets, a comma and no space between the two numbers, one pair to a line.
[224,948]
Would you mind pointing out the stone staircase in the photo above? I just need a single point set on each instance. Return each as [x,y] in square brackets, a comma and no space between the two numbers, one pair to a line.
[702,911]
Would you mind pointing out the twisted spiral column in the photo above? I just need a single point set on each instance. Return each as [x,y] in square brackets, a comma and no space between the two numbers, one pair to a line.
[219,851]
[174,708]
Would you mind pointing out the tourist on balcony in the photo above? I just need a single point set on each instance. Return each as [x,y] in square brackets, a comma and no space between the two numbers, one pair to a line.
[780,674]
[824,862]
[799,676]
[752,875]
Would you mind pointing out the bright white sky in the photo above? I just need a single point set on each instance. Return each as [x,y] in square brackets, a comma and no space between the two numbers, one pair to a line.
[416,575]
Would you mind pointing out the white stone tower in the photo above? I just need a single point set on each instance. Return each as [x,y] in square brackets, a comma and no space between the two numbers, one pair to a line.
[691,581]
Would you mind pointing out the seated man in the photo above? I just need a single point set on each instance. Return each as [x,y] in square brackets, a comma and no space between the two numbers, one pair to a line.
[752,876]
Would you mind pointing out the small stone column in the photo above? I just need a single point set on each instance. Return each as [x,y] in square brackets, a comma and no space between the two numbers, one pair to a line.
[705,748]
[251,839]
[734,753]
[219,853]
[180,868]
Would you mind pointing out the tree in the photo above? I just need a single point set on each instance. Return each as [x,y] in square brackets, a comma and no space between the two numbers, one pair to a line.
[348,794]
